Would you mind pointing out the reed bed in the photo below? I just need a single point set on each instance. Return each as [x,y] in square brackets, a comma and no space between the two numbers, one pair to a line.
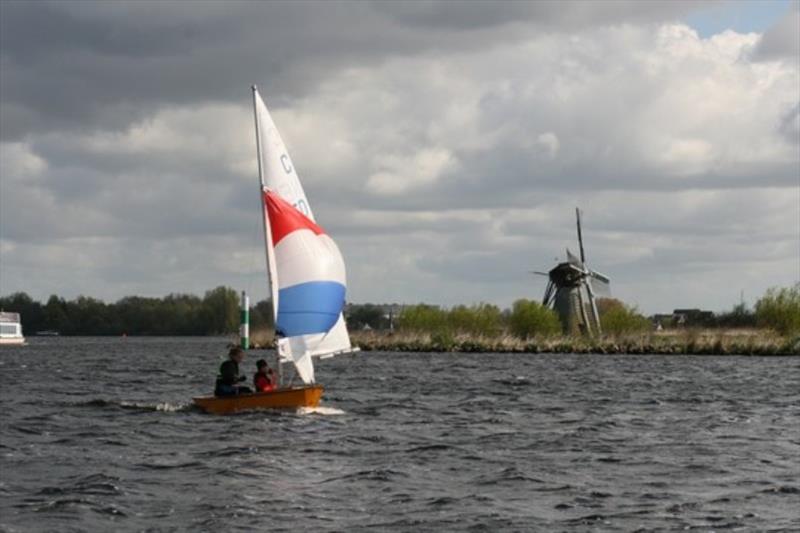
[683,342]
[671,342]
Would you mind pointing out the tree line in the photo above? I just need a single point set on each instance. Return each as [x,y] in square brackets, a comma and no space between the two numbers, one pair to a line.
[217,313]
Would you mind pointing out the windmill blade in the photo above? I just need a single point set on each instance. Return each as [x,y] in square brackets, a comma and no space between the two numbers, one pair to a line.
[538,272]
[580,234]
[600,283]
[593,307]
[583,314]
[574,260]
[599,277]
[600,287]
[549,293]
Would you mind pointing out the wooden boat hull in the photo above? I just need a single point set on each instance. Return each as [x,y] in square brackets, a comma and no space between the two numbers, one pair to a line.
[280,399]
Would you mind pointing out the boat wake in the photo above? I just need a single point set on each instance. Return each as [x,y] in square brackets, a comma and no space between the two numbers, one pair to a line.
[164,407]
[320,410]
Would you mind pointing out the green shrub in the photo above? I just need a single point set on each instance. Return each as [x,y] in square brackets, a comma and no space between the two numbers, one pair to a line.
[422,318]
[616,318]
[482,319]
[529,318]
[443,341]
[779,309]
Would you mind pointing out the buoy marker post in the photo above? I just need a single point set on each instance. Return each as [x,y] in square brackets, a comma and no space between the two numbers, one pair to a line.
[244,323]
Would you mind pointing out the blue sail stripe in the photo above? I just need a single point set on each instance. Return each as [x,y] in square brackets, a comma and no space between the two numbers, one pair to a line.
[308,308]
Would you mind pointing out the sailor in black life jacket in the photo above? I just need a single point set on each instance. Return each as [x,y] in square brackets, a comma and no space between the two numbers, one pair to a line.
[229,378]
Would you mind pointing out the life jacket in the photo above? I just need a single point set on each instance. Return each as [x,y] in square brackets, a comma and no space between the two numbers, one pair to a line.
[262,382]
[228,373]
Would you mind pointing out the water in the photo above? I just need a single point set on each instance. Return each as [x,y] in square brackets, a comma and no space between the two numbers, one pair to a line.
[99,435]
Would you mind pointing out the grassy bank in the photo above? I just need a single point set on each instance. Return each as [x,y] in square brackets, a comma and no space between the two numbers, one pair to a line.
[681,342]
[673,342]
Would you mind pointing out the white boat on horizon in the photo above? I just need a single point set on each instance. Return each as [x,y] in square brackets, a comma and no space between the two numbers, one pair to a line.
[11,329]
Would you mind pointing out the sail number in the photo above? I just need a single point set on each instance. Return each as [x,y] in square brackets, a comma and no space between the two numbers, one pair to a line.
[287,167]
[301,206]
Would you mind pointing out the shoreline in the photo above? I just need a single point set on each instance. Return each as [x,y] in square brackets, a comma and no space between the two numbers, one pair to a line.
[686,342]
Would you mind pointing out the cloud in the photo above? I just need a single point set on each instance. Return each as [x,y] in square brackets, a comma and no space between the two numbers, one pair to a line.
[444,147]
[71,65]
[401,175]
[781,41]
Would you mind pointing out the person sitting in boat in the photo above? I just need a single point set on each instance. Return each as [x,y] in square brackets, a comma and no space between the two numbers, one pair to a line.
[264,378]
[229,378]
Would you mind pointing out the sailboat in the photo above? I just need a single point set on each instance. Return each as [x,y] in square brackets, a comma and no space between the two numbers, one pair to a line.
[306,275]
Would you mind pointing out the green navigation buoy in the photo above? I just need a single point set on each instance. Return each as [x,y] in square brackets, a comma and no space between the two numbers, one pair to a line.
[244,323]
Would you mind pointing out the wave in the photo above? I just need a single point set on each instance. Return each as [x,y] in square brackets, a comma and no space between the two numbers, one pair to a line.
[164,466]
[374,474]
[320,410]
[94,484]
[430,447]
[515,381]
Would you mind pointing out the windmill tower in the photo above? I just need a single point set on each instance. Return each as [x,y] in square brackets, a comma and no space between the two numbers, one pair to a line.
[572,290]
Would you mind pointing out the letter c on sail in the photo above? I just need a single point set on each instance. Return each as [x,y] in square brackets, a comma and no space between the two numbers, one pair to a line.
[285,162]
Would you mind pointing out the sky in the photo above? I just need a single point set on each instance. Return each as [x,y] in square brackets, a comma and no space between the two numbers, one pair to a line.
[443,145]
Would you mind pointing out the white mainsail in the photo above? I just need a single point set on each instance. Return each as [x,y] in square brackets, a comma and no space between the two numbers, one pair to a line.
[307,289]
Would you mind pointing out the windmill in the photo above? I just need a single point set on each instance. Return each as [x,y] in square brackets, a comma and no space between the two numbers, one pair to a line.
[570,285]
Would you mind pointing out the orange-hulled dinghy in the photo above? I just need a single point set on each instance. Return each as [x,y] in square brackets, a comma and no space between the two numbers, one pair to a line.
[288,398]
[306,276]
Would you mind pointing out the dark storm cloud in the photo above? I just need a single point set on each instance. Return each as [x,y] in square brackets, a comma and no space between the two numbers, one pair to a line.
[90,65]
[555,14]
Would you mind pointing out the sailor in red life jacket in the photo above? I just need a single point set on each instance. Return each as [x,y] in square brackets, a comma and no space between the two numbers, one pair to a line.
[264,378]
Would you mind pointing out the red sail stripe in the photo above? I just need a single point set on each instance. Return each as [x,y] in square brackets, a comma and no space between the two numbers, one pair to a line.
[284,218]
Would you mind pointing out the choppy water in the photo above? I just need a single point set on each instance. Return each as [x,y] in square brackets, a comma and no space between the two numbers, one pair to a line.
[99,435]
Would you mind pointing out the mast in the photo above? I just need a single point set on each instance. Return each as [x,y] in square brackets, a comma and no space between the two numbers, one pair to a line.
[270,252]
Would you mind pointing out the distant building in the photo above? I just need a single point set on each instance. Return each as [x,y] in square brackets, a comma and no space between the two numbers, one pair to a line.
[379,317]
[693,317]
[684,318]
[390,313]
